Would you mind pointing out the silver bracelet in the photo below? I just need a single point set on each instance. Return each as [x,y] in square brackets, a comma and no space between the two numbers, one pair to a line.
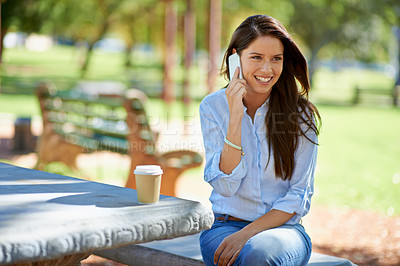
[240,148]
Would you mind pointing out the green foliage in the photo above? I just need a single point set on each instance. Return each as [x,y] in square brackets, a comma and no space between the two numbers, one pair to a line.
[356,29]
[25,15]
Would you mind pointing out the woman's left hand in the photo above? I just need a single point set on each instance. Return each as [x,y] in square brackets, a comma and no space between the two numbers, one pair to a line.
[229,249]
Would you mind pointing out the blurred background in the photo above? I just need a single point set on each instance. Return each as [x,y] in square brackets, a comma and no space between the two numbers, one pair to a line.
[172,50]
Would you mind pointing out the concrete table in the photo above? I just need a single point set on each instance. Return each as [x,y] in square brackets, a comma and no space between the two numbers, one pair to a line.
[51,217]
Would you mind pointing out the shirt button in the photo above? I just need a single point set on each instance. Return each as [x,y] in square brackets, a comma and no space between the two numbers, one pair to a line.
[259,114]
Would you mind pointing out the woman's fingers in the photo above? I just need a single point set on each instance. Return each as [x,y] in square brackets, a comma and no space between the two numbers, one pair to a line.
[236,74]
[235,79]
[226,253]
[235,86]
[234,257]
[235,93]
[218,252]
[224,259]
[242,91]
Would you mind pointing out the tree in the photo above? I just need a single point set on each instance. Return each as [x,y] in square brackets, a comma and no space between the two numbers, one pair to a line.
[392,17]
[25,15]
[214,42]
[133,24]
[356,28]
[189,47]
[94,25]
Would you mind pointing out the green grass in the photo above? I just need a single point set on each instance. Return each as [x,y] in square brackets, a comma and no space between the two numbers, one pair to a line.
[19,105]
[339,86]
[27,105]
[23,69]
[115,173]
[358,161]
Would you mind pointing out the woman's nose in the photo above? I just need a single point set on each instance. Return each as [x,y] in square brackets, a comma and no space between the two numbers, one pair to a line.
[266,67]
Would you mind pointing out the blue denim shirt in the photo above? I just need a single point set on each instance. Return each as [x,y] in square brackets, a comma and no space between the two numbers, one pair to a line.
[252,189]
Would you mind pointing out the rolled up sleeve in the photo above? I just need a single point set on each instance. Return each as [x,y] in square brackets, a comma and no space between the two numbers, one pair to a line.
[298,198]
[213,136]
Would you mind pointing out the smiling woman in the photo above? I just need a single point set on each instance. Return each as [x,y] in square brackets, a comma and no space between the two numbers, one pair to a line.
[260,137]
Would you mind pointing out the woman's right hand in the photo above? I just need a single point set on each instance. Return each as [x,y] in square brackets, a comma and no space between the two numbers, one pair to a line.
[235,93]
[230,157]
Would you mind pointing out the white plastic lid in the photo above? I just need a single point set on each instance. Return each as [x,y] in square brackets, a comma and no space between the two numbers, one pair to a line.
[148,170]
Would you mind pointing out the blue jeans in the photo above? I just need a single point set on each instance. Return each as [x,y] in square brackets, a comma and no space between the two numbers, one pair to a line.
[283,245]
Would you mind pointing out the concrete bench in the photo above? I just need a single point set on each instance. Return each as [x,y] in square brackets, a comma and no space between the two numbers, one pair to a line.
[185,251]
[50,219]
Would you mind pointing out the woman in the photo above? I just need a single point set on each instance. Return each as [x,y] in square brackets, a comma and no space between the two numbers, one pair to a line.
[260,137]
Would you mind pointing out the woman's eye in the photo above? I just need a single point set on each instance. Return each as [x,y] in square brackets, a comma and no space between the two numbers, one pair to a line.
[278,58]
[256,57]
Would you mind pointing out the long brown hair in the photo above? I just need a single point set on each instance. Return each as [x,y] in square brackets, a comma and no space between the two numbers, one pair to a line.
[289,106]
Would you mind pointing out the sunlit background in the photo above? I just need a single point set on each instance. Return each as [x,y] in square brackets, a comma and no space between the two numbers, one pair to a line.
[172,50]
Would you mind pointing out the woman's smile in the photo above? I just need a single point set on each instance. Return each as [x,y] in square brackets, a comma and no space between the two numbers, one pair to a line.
[263,80]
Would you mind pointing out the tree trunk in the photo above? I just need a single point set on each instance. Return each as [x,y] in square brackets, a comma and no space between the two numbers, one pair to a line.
[312,66]
[190,39]
[130,43]
[128,55]
[215,13]
[88,56]
[3,34]
[1,41]
[89,51]
[397,33]
[169,51]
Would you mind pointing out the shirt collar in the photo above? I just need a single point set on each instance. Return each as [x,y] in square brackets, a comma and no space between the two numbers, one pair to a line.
[262,109]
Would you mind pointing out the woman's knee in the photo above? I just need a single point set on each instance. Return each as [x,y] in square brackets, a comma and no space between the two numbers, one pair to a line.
[275,248]
[261,253]
[212,238]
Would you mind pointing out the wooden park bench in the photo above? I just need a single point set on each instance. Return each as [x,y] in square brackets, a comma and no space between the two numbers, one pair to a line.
[76,122]
[392,94]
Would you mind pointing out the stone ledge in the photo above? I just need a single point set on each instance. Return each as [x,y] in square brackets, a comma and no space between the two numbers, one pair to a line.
[45,216]
[185,251]
[144,256]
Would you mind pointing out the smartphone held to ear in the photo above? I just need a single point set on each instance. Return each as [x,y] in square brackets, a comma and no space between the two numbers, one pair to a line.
[234,62]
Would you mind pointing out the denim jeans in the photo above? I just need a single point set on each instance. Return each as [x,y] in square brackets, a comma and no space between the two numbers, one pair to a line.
[283,245]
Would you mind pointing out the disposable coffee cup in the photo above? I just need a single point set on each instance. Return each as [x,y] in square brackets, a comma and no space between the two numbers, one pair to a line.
[148,183]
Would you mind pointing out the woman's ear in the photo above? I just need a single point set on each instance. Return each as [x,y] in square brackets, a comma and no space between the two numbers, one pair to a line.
[233,51]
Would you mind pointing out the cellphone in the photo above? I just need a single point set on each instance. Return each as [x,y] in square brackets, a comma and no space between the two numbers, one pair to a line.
[234,62]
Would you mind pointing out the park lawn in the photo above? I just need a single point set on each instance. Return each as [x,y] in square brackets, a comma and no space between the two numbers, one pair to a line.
[23,69]
[61,62]
[19,105]
[358,161]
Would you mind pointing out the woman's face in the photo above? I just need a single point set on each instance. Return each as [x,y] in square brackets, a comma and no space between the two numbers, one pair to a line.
[262,64]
